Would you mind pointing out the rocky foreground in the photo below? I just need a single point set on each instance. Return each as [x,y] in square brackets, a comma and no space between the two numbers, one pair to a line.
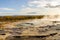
[30,30]
[49,32]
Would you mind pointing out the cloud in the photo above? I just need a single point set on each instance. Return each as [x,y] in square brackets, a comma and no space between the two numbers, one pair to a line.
[7,9]
[50,6]
[37,3]
[38,7]
[8,13]
[54,3]
[42,3]
[33,11]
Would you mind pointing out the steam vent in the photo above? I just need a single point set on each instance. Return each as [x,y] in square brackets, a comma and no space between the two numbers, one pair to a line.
[42,27]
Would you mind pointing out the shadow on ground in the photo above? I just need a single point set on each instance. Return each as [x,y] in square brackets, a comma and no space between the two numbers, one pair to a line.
[25,38]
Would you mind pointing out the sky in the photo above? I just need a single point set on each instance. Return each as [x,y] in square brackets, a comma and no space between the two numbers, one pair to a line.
[29,7]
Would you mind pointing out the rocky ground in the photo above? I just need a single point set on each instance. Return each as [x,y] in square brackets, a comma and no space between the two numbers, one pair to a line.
[49,32]
[30,30]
